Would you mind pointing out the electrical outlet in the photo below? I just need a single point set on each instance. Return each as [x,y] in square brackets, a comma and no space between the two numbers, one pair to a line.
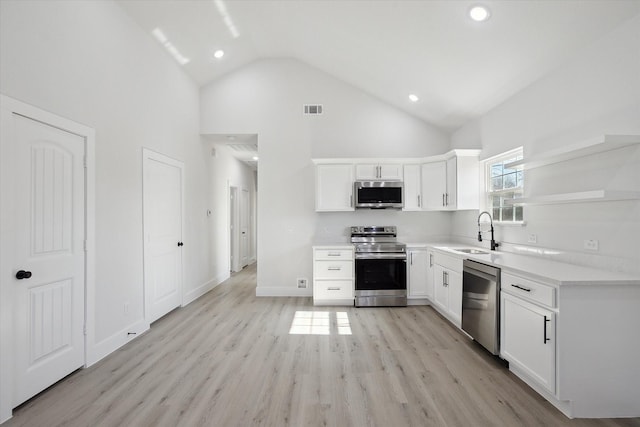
[591,244]
[532,238]
[302,282]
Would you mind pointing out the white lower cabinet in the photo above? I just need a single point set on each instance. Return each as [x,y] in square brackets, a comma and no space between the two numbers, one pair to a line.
[528,339]
[419,274]
[447,281]
[333,275]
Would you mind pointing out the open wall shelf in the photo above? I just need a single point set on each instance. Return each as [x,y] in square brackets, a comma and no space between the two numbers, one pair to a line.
[584,148]
[577,197]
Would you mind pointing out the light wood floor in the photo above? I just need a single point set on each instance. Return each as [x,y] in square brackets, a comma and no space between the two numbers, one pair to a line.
[228,359]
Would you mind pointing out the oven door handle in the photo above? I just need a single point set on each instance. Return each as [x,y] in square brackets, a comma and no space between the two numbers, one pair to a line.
[374,255]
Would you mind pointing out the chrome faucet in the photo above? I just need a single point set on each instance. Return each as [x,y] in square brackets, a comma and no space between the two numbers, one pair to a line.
[494,245]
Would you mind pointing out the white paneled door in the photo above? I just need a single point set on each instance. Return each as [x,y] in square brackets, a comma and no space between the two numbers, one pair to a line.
[244,228]
[45,245]
[162,199]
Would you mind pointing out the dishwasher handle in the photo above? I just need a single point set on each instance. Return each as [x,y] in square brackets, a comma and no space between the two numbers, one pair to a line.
[478,273]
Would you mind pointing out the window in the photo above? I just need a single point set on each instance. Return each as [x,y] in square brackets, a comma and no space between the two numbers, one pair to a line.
[502,184]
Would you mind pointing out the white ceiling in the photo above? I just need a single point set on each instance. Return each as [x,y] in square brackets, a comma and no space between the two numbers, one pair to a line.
[459,68]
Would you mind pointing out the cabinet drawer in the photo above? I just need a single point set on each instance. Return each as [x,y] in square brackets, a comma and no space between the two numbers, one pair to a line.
[525,288]
[333,270]
[333,254]
[450,262]
[332,289]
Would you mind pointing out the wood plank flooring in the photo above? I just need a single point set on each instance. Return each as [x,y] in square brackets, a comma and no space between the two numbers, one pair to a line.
[228,359]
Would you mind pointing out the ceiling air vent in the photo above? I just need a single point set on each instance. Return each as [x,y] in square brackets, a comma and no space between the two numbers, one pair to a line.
[313,109]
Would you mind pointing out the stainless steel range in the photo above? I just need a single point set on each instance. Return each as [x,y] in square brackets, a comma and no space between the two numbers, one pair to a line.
[381,267]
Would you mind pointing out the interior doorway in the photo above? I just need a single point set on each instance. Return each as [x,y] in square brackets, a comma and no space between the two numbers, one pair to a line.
[47,257]
[239,228]
[163,205]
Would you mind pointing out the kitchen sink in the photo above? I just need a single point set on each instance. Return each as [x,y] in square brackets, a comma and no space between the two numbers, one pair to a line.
[472,251]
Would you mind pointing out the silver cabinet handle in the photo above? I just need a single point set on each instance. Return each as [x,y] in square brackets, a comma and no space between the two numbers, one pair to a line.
[445,279]
[443,200]
[447,199]
[333,254]
[521,288]
[418,200]
[410,258]
[334,268]
[351,200]
[333,289]
[430,260]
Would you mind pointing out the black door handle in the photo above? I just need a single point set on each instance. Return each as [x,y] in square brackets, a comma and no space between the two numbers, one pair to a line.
[23,274]
[180,244]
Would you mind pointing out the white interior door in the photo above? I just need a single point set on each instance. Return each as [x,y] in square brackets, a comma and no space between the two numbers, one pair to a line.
[162,199]
[44,244]
[234,256]
[244,228]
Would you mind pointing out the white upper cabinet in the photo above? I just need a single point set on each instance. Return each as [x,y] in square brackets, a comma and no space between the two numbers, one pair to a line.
[379,171]
[443,182]
[451,184]
[412,193]
[334,187]
[434,186]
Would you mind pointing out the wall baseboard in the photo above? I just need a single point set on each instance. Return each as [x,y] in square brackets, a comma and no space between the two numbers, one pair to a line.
[281,291]
[107,346]
[196,293]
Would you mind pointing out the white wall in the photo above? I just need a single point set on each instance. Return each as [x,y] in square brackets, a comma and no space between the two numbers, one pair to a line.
[266,98]
[595,92]
[89,62]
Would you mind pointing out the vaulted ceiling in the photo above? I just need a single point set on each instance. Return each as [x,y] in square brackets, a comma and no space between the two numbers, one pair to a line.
[458,68]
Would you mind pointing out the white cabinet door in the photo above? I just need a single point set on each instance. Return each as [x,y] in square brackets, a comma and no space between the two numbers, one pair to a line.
[367,171]
[528,339]
[430,275]
[451,195]
[454,282]
[390,171]
[434,185]
[441,292]
[412,196]
[334,188]
[418,268]
[379,171]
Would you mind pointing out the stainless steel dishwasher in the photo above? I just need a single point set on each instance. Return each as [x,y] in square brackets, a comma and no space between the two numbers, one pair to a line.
[481,304]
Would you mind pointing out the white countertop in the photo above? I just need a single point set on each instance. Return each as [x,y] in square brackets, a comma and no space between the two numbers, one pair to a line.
[552,272]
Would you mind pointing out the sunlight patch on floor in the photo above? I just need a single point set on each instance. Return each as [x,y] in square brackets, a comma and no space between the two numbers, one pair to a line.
[319,323]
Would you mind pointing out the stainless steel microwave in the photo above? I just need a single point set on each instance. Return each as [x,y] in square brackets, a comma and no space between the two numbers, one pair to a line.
[378,194]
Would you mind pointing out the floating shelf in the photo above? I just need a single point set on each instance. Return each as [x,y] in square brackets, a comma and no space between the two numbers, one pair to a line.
[577,197]
[584,148]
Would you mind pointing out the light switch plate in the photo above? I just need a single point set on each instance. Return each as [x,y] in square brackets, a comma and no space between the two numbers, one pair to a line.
[591,244]
[533,238]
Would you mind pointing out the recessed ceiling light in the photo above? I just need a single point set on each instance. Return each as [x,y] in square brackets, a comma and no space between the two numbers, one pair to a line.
[218,54]
[479,13]
[413,98]
[255,158]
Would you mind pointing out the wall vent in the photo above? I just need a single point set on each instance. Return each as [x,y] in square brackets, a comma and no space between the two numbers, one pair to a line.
[312,109]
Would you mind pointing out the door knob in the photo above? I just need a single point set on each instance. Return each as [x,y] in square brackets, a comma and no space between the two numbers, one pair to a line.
[23,274]
[180,244]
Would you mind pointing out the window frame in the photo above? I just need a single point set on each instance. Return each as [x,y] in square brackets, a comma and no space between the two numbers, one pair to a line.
[487,198]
